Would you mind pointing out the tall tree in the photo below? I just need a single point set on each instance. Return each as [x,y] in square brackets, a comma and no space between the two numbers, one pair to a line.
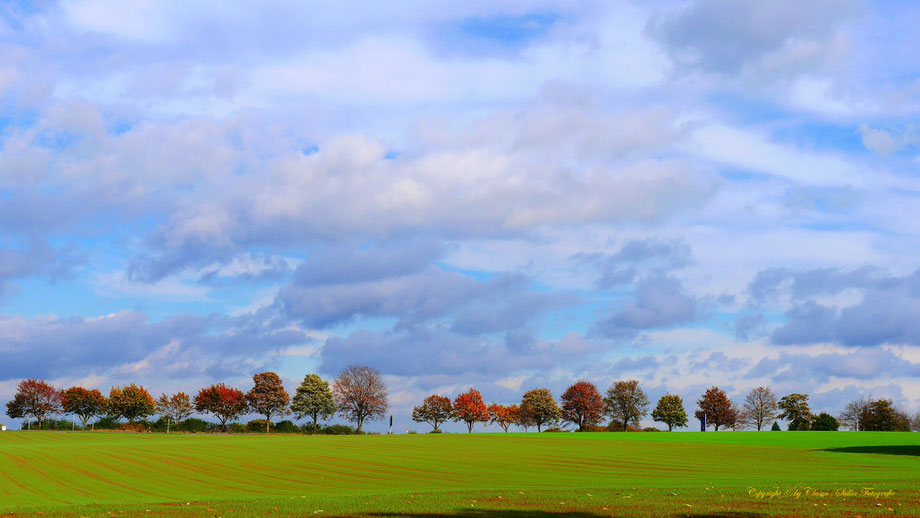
[360,394]
[268,396]
[854,413]
[736,418]
[83,403]
[626,403]
[539,407]
[795,410]
[760,407]
[582,405]
[504,415]
[225,403]
[434,411]
[523,418]
[313,399]
[470,408]
[174,408]
[882,416]
[131,402]
[670,411]
[716,407]
[34,399]
[915,422]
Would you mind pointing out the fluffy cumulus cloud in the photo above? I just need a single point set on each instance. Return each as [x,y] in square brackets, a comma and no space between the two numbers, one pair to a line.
[501,195]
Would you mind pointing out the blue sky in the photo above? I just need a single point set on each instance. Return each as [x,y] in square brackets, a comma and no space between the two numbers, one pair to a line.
[499,196]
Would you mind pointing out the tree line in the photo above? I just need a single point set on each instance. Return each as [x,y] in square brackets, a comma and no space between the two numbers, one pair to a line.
[359,393]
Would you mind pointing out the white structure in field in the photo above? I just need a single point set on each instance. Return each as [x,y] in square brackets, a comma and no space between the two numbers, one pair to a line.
[2,427]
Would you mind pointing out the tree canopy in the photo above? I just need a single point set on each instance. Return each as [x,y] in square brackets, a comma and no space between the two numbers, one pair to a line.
[360,394]
[313,399]
[434,411]
[268,397]
[539,408]
[670,411]
[470,408]
[716,407]
[626,403]
[582,405]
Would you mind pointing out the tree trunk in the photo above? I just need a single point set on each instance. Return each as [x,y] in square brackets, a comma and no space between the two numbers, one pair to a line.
[167,426]
[267,422]
[669,427]
[315,419]
[360,422]
[469,427]
[538,427]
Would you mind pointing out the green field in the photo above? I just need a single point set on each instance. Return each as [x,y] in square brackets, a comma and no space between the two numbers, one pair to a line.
[599,474]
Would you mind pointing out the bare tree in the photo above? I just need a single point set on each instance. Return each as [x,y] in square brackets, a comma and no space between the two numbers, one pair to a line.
[360,394]
[854,413]
[760,407]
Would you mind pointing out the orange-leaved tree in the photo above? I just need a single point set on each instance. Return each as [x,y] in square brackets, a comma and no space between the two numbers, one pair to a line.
[582,405]
[225,403]
[268,396]
[131,402]
[504,415]
[83,403]
[434,411]
[469,408]
[34,399]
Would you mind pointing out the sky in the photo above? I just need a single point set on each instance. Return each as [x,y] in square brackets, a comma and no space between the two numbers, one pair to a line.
[463,194]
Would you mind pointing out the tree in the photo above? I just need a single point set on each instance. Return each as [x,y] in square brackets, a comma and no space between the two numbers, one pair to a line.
[34,399]
[524,419]
[626,403]
[268,397]
[775,427]
[360,394]
[225,403]
[174,408]
[670,411]
[795,410]
[469,408]
[715,407]
[854,413]
[825,422]
[434,411]
[539,408]
[504,415]
[882,416]
[915,422]
[760,407]
[582,405]
[736,419]
[131,402]
[313,399]
[83,403]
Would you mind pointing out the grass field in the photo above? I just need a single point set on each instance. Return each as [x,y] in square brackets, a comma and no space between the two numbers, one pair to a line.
[481,475]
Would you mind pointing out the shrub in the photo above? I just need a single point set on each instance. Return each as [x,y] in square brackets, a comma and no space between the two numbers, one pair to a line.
[554,429]
[106,423]
[651,429]
[615,426]
[235,428]
[194,425]
[435,431]
[775,427]
[593,428]
[138,427]
[337,429]
[258,426]
[287,427]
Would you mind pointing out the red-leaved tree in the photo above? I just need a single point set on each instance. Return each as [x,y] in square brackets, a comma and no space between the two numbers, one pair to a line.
[131,402]
[582,405]
[469,408]
[268,396]
[83,403]
[716,407]
[434,411]
[504,415]
[34,399]
[225,403]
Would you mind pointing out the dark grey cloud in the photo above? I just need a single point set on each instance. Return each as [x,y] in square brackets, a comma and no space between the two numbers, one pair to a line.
[437,351]
[37,258]
[345,264]
[808,370]
[180,346]
[802,284]
[887,313]
[659,302]
[725,36]
[635,258]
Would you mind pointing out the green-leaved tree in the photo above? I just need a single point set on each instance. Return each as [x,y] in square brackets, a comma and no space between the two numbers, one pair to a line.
[670,411]
[313,399]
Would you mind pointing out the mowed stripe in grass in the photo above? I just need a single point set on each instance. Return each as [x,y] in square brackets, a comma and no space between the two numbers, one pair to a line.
[64,472]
